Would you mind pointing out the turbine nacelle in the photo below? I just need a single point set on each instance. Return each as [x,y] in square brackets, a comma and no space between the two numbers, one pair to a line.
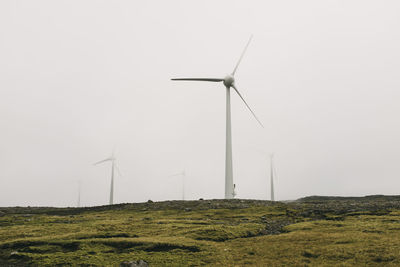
[229,80]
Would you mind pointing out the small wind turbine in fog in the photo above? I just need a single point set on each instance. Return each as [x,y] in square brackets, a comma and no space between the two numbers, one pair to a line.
[183,174]
[113,166]
[229,82]
[79,194]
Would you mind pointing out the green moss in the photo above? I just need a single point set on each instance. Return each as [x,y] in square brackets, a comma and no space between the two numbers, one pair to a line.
[225,233]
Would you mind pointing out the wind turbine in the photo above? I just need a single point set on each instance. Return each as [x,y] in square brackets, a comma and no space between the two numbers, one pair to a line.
[272,177]
[79,194]
[229,82]
[113,166]
[183,174]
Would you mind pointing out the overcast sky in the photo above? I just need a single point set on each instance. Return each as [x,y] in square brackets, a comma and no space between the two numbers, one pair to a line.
[78,78]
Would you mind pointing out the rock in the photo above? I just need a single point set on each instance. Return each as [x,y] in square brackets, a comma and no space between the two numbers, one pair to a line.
[139,263]
[188,209]
[264,232]
[18,256]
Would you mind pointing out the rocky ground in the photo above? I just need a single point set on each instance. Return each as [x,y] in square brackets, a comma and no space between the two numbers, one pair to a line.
[206,232]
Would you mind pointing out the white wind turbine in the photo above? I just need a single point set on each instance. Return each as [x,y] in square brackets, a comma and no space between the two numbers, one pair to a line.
[113,166]
[229,82]
[79,194]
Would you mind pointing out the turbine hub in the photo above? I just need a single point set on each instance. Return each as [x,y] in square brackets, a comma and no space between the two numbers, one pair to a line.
[229,80]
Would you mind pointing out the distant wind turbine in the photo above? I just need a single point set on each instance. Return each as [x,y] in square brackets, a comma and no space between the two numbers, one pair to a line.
[113,166]
[183,174]
[79,194]
[228,81]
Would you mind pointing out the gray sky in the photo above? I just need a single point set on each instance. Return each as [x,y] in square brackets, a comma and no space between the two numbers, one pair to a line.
[78,78]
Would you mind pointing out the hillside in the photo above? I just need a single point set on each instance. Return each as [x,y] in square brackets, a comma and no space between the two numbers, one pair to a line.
[312,231]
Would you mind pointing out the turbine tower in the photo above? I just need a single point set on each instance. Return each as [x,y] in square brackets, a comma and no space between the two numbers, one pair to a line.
[113,166]
[272,177]
[183,174]
[229,82]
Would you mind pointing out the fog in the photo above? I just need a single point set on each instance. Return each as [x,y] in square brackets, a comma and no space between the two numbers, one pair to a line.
[79,79]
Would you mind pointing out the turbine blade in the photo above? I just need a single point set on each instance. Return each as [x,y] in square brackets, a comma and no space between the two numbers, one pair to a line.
[240,59]
[113,152]
[101,161]
[176,174]
[237,91]
[199,79]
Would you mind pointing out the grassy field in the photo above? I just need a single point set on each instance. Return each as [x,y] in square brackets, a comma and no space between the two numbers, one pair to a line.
[314,231]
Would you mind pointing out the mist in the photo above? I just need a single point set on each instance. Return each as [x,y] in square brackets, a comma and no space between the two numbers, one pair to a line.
[80,79]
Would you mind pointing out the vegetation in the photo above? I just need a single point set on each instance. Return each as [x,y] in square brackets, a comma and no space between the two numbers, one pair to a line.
[314,231]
